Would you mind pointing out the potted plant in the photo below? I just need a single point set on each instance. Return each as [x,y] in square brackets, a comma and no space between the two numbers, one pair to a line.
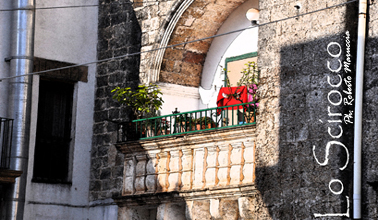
[145,101]
[184,123]
[205,123]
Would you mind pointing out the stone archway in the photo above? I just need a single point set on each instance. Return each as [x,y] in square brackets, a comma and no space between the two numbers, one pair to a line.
[189,21]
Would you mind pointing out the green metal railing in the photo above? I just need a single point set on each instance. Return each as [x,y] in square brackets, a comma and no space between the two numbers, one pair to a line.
[193,121]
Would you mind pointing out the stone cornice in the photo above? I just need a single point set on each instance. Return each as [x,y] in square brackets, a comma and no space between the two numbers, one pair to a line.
[191,140]
[177,196]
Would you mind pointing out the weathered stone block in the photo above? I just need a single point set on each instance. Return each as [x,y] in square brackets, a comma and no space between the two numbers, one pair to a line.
[169,211]
[201,210]
[214,209]
[229,209]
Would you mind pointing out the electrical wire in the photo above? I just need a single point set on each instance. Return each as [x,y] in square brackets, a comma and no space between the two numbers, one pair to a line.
[179,44]
[75,6]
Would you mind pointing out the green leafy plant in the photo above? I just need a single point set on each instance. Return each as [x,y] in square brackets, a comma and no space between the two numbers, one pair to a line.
[250,75]
[145,101]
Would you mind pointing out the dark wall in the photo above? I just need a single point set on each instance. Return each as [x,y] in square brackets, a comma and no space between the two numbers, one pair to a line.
[118,34]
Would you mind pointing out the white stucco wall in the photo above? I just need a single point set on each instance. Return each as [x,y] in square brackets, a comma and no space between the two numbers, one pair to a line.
[67,35]
[183,98]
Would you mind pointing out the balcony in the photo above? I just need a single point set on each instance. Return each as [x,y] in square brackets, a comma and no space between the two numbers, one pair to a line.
[6,175]
[188,122]
[199,154]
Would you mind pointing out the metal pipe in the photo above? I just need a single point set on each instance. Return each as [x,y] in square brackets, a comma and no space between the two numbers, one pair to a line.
[358,109]
[20,99]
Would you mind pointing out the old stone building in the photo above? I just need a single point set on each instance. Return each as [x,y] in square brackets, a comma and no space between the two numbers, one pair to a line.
[294,161]
[302,165]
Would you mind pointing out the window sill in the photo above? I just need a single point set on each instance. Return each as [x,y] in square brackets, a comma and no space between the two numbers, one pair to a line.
[50,181]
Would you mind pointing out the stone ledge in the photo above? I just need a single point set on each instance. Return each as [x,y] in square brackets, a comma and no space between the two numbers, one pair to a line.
[155,199]
[189,140]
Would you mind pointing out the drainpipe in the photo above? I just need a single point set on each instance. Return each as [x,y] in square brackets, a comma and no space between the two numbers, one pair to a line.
[358,109]
[21,62]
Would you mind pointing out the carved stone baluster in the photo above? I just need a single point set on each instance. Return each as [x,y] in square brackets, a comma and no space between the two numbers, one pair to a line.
[180,170]
[248,158]
[129,175]
[211,161]
[162,171]
[151,177]
[217,167]
[198,168]
[242,164]
[187,169]
[223,160]
[140,185]
[173,177]
[235,166]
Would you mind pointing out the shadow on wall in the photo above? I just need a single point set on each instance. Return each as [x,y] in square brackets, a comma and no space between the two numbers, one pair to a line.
[307,181]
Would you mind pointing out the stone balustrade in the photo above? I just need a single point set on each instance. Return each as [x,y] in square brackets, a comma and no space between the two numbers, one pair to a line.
[202,161]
